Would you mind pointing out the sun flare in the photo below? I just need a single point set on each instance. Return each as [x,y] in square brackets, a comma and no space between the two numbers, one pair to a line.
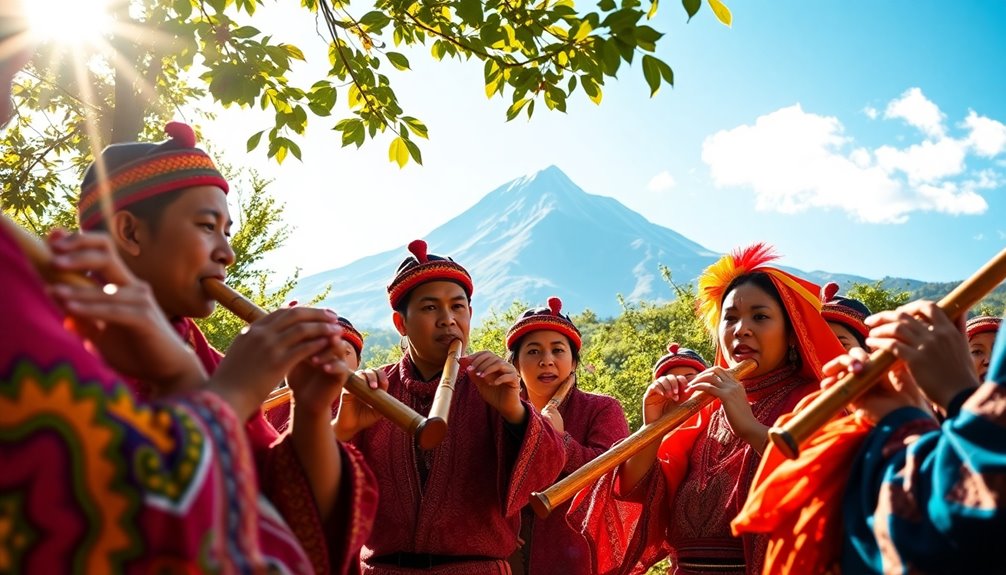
[68,22]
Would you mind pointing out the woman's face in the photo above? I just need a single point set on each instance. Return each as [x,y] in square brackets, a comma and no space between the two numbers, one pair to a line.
[544,360]
[753,325]
[844,335]
[981,352]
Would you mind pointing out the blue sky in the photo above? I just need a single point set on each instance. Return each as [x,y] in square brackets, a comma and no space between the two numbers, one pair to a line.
[857,137]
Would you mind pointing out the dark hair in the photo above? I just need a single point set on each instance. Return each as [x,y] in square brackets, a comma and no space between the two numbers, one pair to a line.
[511,354]
[148,211]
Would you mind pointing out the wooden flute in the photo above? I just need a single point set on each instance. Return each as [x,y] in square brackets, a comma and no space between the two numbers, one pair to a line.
[545,501]
[789,437]
[441,408]
[428,433]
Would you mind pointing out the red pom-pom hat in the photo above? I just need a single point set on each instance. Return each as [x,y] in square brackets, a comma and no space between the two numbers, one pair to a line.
[678,356]
[546,318]
[132,172]
[983,324]
[844,310]
[423,267]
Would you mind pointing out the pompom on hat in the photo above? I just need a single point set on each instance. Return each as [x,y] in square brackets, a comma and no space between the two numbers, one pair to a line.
[678,356]
[982,324]
[844,310]
[423,267]
[548,318]
[137,171]
[351,335]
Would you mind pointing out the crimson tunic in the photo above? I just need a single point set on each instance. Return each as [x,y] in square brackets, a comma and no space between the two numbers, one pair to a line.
[592,423]
[333,547]
[95,482]
[457,505]
[684,505]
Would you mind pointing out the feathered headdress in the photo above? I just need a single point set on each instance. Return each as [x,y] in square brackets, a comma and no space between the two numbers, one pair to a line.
[715,278]
[800,297]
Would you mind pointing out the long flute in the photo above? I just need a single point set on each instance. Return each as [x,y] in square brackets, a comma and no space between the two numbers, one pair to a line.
[545,501]
[808,420]
[560,394]
[427,432]
[441,408]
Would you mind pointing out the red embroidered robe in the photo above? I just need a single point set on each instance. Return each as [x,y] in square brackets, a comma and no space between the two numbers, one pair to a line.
[461,501]
[684,505]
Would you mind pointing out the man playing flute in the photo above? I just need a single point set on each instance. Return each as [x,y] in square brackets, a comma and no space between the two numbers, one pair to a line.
[454,509]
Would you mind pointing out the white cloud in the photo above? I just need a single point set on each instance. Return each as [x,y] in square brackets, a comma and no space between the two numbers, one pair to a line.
[796,160]
[661,182]
[925,162]
[913,107]
[871,112]
[987,137]
[979,237]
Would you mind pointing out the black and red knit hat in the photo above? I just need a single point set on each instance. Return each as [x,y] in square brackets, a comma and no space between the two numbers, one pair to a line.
[982,324]
[844,310]
[138,171]
[351,334]
[678,356]
[423,267]
[543,318]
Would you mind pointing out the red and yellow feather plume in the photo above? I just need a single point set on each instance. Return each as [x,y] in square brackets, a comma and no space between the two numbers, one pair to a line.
[715,279]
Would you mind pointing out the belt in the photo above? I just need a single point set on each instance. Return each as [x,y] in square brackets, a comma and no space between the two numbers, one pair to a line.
[425,560]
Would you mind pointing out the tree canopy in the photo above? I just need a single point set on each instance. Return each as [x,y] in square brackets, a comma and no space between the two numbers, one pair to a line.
[160,56]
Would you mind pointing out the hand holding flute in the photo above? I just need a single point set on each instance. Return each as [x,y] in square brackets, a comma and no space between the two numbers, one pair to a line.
[646,436]
[429,434]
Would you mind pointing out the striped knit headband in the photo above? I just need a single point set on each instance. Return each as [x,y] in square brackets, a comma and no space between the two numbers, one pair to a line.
[550,318]
[138,171]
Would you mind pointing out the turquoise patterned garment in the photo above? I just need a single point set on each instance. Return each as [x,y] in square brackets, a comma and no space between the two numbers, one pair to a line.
[926,498]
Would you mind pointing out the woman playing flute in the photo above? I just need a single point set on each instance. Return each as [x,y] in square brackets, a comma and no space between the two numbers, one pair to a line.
[544,346]
[678,497]
[454,509]
[164,206]
[905,493]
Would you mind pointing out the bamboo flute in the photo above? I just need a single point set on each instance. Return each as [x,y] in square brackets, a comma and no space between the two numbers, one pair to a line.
[441,408]
[545,501]
[812,417]
[428,433]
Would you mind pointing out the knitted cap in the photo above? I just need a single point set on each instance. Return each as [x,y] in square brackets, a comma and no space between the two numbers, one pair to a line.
[982,324]
[138,171]
[423,267]
[678,356]
[844,310]
[543,318]
[351,334]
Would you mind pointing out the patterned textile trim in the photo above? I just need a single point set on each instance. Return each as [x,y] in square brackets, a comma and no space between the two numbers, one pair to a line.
[148,177]
[290,492]
[433,270]
[845,316]
[543,322]
[982,324]
[35,408]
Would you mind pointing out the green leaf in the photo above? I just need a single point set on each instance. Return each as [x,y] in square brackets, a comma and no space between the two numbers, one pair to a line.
[582,31]
[592,90]
[294,148]
[183,8]
[651,71]
[254,140]
[294,52]
[606,5]
[470,12]
[611,58]
[399,152]
[418,128]
[398,60]
[245,32]
[654,4]
[414,151]
[691,7]
[721,11]
[515,108]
